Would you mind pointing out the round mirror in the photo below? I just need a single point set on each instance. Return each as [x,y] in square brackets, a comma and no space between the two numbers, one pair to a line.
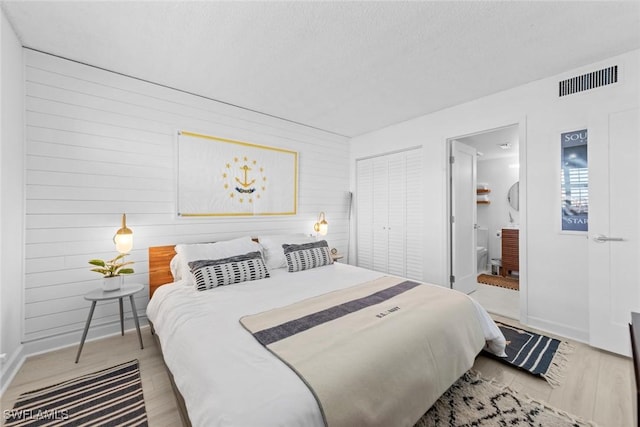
[514,196]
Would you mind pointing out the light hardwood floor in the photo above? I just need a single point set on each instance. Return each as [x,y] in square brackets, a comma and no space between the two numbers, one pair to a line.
[597,386]
[57,366]
[502,301]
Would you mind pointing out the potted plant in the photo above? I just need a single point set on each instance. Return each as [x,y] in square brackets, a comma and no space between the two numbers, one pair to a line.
[112,271]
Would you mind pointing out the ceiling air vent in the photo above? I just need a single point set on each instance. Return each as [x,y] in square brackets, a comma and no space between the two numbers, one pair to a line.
[603,77]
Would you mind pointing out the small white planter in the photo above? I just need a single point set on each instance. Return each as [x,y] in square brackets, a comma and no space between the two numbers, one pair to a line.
[112,283]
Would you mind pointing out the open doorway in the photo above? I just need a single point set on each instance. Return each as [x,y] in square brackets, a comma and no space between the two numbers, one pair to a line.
[495,242]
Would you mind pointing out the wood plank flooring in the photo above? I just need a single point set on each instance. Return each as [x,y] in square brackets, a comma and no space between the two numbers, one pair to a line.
[597,385]
[57,366]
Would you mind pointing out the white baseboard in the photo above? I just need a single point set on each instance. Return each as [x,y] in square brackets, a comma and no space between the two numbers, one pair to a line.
[9,368]
[68,339]
[14,362]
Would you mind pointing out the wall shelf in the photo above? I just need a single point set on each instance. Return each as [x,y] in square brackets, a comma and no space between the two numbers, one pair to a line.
[483,191]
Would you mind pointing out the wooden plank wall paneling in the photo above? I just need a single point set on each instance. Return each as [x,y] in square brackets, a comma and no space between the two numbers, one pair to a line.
[99,144]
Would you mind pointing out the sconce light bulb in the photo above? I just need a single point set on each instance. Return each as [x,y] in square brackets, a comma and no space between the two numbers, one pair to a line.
[124,237]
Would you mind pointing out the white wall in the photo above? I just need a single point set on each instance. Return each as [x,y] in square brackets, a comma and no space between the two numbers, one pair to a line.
[495,215]
[12,200]
[554,280]
[100,144]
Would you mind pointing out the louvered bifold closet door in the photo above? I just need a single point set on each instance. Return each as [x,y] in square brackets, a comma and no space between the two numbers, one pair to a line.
[364,213]
[396,213]
[415,193]
[380,213]
[389,205]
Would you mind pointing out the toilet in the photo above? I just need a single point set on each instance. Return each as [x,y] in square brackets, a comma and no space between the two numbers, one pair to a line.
[482,251]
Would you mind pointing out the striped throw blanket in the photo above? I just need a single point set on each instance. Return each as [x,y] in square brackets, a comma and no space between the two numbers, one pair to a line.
[376,354]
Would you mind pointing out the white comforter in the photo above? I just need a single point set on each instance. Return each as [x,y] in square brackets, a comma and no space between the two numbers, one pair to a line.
[225,376]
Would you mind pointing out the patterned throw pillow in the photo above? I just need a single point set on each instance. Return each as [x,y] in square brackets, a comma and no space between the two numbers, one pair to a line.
[210,273]
[307,255]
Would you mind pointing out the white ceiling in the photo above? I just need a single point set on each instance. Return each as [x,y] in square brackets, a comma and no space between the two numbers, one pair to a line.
[345,67]
[488,143]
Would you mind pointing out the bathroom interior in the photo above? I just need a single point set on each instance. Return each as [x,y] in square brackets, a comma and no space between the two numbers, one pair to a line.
[497,238]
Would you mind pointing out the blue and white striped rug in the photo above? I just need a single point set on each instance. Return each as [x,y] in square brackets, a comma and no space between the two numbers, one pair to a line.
[111,397]
[537,354]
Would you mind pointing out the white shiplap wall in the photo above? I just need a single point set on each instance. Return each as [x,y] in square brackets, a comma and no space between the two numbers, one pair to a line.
[99,144]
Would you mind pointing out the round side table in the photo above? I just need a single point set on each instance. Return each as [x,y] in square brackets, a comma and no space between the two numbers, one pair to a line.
[99,295]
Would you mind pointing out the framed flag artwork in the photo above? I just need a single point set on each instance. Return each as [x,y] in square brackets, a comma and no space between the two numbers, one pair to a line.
[225,177]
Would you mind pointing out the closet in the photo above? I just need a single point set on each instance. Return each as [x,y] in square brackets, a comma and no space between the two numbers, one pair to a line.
[389,203]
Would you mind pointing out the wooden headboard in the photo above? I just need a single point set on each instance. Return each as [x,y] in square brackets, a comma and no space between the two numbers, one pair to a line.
[159,265]
[159,269]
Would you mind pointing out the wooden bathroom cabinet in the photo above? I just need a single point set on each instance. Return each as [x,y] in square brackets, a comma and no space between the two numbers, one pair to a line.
[510,251]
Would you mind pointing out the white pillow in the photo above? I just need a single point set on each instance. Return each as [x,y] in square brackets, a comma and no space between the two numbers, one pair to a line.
[273,252]
[201,251]
[175,267]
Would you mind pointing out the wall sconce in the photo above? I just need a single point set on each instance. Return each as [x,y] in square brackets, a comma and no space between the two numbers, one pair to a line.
[124,237]
[321,227]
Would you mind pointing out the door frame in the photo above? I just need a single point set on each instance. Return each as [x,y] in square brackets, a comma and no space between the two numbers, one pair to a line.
[522,158]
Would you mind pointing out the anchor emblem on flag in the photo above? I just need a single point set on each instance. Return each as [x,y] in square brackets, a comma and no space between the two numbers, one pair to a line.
[245,180]
[245,183]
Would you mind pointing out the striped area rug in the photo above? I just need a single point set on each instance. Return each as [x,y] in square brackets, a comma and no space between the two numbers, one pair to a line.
[537,354]
[111,397]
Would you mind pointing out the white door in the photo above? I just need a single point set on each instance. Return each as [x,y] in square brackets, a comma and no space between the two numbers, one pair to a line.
[614,231]
[414,189]
[463,218]
[364,213]
[380,214]
[397,196]
[389,206]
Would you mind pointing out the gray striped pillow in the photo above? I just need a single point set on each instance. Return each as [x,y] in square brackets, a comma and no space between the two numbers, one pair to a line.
[210,273]
[307,255]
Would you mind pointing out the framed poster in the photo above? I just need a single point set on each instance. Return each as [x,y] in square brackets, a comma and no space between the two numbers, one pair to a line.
[574,181]
[224,177]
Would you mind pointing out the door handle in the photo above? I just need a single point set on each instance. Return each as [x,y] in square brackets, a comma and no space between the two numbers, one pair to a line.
[599,238]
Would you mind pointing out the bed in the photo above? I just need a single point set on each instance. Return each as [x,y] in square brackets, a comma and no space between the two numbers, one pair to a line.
[225,376]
